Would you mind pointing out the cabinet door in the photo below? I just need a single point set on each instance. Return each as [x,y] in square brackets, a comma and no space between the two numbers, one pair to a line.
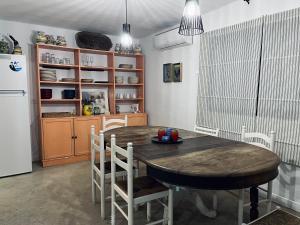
[57,138]
[139,119]
[82,128]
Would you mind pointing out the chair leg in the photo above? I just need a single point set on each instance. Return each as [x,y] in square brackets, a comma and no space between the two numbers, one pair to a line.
[165,217]
[269,196]
[137,168]
[148,211]
[241,207]
[170,207]
[113,208]
[102,181]
[93,187]
[215,201]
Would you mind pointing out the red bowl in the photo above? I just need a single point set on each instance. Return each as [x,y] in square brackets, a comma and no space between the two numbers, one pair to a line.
[46,93]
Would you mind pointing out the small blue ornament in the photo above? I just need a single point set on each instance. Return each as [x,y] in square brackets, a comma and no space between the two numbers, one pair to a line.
[169,131]
[165,138]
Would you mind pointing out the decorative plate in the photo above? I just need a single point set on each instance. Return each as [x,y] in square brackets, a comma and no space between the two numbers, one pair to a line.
[155,140]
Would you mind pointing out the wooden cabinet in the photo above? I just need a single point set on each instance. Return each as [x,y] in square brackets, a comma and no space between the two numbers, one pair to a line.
[57,138]
[82,131]
[67,140]
[139,119]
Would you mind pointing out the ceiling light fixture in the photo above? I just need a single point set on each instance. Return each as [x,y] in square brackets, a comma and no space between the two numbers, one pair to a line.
[126,39]
[191,21]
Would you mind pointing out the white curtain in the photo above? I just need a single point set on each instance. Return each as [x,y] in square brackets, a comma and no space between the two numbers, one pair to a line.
[228,78]
[279,93]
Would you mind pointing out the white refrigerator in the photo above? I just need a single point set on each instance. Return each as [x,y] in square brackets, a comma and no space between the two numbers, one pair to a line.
[15,141]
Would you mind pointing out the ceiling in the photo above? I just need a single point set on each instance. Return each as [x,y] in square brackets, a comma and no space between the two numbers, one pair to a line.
[145,16]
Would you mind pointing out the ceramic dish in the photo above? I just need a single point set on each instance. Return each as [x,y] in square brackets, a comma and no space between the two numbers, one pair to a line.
[119,80]
[68,79]
[126,66]
[133,80]
[87,80]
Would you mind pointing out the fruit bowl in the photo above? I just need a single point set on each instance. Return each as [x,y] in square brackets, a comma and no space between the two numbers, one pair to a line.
[167,136]
[156,140]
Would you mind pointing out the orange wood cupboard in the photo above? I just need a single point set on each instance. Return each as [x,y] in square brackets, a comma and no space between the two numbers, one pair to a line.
[67,140]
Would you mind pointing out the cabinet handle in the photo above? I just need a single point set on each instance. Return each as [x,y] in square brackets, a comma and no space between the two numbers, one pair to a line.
[74,137]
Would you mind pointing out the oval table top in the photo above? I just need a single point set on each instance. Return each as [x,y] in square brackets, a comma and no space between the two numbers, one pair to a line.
[201,161]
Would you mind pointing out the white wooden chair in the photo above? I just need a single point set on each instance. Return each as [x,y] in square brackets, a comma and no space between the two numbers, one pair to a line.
[266,142]
[101,169]
[215,133]
[109,124]
[207,131]
[136,191]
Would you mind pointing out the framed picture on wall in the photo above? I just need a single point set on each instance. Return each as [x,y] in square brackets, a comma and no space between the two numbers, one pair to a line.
[167,72]
[177,72]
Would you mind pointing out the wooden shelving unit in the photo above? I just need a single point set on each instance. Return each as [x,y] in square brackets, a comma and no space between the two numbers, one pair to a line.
[110,68]
[67,139]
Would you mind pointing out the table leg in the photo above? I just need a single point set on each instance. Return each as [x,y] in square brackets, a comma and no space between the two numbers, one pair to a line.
[254,203]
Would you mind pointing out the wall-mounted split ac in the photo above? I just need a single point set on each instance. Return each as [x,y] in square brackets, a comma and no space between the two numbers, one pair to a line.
[171,39]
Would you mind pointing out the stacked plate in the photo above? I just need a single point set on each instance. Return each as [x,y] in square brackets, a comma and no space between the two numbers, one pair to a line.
[48,75]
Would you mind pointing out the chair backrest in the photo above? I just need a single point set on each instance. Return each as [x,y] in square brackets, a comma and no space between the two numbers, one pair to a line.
[109,124]
[97,146]
[207,131]
[253,138]
[116,154]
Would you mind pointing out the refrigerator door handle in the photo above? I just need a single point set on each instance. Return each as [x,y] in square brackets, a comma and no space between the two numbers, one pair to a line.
[12,92]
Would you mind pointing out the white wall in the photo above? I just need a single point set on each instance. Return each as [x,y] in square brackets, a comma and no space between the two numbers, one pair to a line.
[23,32]
[174,104]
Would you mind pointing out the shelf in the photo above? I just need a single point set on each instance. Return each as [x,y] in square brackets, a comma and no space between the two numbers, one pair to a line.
[59,101]
[58,83]
[95,68]
[97,84]
[56,47]
[128,55]
[129,85]
[58,66]
[94,51]
[128,70]
[129,99]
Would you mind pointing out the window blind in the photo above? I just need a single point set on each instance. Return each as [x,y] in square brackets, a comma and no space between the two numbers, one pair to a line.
[279,92]
[228,78]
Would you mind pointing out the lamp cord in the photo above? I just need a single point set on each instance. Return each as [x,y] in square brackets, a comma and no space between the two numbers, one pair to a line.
[126,10]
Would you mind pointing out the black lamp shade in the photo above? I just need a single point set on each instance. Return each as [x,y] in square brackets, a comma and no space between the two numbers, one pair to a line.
[191,24]
[126,28]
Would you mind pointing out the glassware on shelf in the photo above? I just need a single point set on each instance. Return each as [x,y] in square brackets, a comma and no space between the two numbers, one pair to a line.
[83,60]
[67,61]
[133,95]
[91,60]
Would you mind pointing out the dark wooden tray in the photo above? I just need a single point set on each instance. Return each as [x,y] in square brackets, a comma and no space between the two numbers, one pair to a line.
[155,140]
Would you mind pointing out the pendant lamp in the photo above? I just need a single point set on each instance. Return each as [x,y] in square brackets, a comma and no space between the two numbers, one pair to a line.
[191,21]
[126,39]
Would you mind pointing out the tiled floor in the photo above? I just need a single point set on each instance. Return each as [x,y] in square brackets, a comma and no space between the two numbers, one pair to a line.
[62,196]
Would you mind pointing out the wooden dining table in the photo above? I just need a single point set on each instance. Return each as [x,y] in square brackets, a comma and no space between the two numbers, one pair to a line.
[201,161]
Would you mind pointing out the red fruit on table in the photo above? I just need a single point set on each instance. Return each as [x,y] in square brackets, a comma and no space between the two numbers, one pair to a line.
[174,135]
[161,133]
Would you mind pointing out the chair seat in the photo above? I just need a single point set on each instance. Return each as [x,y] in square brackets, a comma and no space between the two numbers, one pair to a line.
[143,186]
[107,166]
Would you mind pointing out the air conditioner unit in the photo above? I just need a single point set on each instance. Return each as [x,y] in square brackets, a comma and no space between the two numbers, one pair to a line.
[171,39]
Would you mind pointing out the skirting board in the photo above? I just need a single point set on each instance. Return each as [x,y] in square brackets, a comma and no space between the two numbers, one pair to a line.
[283,201]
